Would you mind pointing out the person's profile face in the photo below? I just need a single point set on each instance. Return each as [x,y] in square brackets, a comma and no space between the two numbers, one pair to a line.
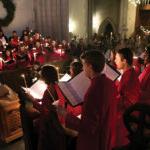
[71,71]
[86,68]
[119,61]
[7,53]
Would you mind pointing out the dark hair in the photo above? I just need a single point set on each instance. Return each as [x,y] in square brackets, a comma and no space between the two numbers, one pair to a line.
[76,67]
[147,50]
[49,74]
[95,58]
[127,54]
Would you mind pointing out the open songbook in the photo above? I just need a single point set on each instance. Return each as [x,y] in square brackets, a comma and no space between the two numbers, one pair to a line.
[75,89]
[111,72]
[66,77]
[38,88]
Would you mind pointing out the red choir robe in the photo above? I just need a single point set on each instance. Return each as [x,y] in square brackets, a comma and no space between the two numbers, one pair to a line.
[145,84]
[50,134]
[97,124]
[9,63]
[128,94]
[38,54]
[63,102]
[137,66]
[23,59]
[43,104]
[14,41]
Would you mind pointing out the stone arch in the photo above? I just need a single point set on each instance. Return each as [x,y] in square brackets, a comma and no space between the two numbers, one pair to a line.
[107,24]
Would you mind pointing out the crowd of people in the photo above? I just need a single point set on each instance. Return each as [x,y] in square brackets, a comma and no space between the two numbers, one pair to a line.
[100,126]
[22,51]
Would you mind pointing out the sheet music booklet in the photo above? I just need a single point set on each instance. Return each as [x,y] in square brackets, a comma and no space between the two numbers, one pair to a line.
[75,89]
[38,88]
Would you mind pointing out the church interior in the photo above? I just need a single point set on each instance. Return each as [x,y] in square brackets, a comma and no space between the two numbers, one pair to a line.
[35,34]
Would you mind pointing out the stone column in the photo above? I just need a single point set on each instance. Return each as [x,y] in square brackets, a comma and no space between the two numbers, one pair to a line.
[123,18]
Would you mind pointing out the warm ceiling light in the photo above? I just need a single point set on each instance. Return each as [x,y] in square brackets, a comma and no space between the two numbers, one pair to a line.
[135,2]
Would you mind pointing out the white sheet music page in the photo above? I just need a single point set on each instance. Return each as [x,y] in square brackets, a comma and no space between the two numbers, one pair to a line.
[110,72]
[75,89]
[37,89]
[65,78]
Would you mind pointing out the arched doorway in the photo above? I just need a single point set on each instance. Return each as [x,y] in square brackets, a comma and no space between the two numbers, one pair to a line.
[106,27]
[108,30]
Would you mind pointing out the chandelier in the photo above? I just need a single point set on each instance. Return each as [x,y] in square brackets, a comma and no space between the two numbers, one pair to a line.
[135,2]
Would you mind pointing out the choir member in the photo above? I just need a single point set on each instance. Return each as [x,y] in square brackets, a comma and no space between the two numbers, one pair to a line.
[145,78]
[38,52]
[65,45]
[97,124]
[37,37]
[14,40]
[2,49]
[45,107]
[50,77]
[24,33]
[128,90]
[27,42]
[75,69]
[111,59]
[3,38]
[54,45]
[9,61]
[22,56]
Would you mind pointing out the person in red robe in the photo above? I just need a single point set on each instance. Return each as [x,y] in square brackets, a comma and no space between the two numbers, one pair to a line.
[145,78]
[75,69]
[50,76]
[9,60]
[128,91]
[14,40]
[97,123]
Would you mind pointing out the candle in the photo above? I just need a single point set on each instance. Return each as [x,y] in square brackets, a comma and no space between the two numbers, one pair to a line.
[34,56]
[1,63]
[25,82]
[57,68]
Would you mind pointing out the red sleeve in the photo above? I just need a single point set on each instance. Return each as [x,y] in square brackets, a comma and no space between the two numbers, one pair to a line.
[145,93]
[129,91]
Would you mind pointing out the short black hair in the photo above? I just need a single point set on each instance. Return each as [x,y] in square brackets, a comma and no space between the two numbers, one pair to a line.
[76,67]
[147,50]
[49,74]
[95,58]
[127,54]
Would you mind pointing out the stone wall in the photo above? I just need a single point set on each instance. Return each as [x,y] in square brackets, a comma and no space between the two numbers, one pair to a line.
[105,10]
[78,17]
[23,16]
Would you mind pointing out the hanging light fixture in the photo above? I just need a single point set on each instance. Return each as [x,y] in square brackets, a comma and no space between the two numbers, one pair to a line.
[135,2]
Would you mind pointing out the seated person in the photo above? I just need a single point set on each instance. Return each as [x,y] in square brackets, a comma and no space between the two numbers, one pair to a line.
[22,56]
[9,61]
[96,127]
[128,90]
[145,78]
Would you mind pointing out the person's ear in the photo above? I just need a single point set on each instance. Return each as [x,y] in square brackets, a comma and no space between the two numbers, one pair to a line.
[124,61]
